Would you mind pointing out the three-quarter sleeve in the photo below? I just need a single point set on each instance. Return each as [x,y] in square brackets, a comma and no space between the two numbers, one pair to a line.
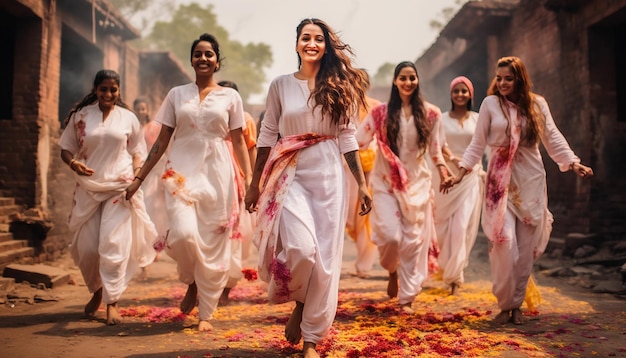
[268,134]
[474,152]
[553,140]
[346,139]
[435,140]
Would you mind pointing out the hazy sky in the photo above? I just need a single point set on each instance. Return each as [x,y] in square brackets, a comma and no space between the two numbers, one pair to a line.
[378,31]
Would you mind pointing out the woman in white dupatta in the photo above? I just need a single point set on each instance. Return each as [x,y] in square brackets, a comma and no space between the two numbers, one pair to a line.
[512,121]
[301,211]
[457,213]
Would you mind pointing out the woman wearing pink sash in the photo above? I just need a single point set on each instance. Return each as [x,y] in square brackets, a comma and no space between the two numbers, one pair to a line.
[406,130]
[512,121]
[301,209]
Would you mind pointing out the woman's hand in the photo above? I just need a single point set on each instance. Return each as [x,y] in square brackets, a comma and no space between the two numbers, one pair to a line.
[252,197]
[582,170]
[132,188]
[446,184]
[365,199]
[80,168]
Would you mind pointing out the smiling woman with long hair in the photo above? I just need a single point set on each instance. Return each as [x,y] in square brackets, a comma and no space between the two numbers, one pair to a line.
[406,129]
[512,121]
[301,208]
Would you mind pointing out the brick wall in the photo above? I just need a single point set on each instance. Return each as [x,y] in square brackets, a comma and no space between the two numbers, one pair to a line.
[573,56]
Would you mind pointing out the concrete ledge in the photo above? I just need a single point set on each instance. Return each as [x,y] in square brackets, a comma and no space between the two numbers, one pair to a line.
[36,274]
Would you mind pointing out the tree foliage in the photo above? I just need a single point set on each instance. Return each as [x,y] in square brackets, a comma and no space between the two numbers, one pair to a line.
[384,75]
[243,64]
[446,14]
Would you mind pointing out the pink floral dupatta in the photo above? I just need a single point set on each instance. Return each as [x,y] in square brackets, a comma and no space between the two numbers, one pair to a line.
[277,176]
[499,178]
[398,176]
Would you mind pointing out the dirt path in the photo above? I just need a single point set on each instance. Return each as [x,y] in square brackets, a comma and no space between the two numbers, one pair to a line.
[570,322]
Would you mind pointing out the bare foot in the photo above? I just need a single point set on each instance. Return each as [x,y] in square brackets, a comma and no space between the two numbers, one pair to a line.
[308,350]
[362,274]
[392,285]
[143,276]
[189,301]
[406,308]
[113,316]
[502,317]
[92,306]
[205,326]
[224,301]
[454,289]
[293,333]
[517,317]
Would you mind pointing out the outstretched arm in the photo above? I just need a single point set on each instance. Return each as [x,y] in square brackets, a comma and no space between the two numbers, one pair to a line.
[158,148]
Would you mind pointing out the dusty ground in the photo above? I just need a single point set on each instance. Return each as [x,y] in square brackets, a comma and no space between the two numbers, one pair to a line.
[571,322]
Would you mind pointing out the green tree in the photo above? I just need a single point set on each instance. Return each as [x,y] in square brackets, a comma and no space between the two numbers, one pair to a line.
[244,64]
[384,75]
[446,14]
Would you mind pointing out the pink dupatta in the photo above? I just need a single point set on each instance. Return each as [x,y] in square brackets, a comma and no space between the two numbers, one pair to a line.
[277,176]
[499,178]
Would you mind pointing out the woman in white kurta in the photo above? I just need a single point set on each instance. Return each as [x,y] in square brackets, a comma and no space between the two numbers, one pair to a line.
[457,213]
[516,220]
[301,213]
[102,143]
[406,130]
[199,178]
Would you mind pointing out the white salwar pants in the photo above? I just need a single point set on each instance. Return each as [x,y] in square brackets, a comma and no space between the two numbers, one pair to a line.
[512,261]
[201,249]
[311,234]
[403,245]
[112,240]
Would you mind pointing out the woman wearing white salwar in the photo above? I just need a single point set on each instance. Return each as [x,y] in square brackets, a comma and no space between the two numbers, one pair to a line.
[199,178]
[301,213]
[457,213]
[512,121]
[406,130]
[102,143]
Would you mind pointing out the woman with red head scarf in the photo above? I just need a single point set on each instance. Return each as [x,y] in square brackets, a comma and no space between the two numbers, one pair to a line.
[457,213]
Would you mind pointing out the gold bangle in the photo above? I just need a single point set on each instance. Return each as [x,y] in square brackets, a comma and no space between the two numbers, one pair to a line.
[72,162]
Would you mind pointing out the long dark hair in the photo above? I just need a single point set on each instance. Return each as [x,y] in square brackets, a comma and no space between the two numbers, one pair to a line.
[526,105]
[394,106]
[338,85]
[92,97]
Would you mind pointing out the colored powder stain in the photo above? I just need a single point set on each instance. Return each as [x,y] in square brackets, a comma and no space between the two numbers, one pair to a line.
[282,277]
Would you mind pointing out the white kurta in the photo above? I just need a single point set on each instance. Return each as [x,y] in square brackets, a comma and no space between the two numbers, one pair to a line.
[199,181]
[457,213]
[312,222]
[528,221]
[102,219]
[403,231]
